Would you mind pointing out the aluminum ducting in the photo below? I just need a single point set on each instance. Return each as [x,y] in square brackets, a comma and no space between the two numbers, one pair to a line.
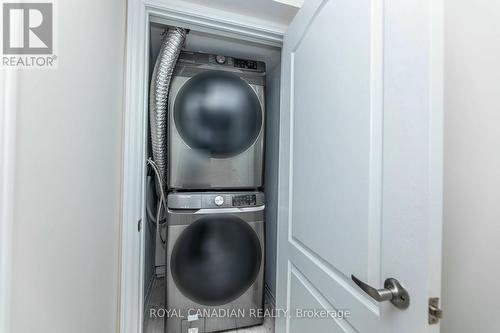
[158,95]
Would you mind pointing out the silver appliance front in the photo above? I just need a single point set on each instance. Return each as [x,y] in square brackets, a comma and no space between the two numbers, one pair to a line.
[215,261]
[216,127]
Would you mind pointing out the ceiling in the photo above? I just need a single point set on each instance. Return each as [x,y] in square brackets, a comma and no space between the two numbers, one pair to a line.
[267,10]
[295,3]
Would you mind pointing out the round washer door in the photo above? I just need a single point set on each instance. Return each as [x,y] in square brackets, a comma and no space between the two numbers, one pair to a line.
[218,113]
[216,259]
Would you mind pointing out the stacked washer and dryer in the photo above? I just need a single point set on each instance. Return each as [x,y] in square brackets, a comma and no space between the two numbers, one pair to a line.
[215,215]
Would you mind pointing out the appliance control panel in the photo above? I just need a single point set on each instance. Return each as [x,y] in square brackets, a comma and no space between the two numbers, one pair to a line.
[199,200]
[240,64]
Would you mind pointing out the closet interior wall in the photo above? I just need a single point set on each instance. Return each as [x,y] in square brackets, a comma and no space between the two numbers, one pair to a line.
[211,43]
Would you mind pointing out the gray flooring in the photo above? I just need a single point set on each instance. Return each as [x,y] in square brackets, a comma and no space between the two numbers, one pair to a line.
[155,325]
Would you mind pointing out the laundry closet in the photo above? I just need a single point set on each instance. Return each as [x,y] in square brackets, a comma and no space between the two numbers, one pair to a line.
[281,158]
[214,140]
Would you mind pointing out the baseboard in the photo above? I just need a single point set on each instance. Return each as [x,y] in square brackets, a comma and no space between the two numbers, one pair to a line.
[269,297]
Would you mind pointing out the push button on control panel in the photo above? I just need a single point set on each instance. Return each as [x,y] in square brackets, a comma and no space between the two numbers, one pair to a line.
[244,200]
[246,64]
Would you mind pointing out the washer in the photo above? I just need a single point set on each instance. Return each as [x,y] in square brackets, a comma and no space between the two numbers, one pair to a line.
[216,123]
[215,261]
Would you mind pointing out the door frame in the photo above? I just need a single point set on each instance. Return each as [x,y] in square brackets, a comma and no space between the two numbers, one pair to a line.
[139,15]
[8,95]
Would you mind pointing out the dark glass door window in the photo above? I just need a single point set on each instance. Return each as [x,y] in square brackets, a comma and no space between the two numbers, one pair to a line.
[216,259]
[218,113]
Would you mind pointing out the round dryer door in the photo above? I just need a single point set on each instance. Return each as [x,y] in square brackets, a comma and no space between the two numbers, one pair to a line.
[216,259]
[218,113]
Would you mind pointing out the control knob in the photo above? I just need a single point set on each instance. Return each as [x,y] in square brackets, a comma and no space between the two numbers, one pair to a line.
[220,59]
[219,200]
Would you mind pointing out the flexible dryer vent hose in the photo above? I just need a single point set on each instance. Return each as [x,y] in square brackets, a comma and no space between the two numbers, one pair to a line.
[170,49]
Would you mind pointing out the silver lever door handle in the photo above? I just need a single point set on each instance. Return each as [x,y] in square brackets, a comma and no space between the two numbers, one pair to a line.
[393,292]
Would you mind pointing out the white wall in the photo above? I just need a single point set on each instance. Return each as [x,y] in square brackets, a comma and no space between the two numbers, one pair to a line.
[65,239]
[471,262]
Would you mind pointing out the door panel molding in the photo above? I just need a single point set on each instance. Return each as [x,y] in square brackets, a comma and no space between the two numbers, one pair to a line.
[342,324]
[341,293]
[371,146]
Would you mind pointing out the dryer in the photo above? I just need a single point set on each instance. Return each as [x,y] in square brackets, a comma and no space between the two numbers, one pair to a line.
[216,123]
[215,261]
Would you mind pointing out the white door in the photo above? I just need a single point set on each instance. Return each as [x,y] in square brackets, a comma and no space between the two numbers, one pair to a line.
[360,165]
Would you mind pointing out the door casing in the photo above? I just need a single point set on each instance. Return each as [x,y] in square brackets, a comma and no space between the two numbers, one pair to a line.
[139,15]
